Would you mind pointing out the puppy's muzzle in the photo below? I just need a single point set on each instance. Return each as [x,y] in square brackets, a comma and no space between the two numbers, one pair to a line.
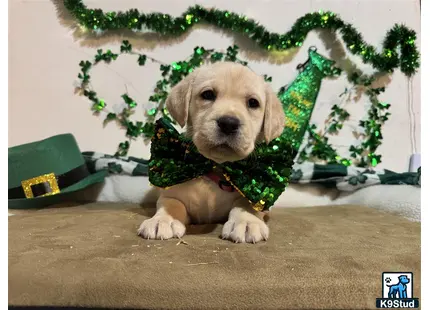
[228,125]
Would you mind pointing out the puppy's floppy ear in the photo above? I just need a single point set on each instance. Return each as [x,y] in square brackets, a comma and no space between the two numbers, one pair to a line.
[274,116]
[178,101]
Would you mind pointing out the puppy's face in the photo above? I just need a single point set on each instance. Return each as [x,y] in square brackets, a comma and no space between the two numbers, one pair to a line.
[227,109]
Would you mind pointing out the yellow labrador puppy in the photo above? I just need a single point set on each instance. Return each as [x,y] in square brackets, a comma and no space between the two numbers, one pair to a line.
[227,109]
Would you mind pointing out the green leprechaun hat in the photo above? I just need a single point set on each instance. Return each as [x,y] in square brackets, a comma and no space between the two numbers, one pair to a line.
[44,172]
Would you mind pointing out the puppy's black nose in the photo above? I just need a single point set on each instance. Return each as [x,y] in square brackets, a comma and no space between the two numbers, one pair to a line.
[228,124]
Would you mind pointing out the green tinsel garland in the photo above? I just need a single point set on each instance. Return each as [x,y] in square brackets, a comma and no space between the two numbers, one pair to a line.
[399,48]
[317,147]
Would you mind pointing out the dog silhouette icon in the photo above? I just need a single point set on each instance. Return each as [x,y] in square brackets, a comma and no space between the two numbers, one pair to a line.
[399,290]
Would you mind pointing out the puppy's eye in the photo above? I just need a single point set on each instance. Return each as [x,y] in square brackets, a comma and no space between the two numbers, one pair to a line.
[253,103]
[208,95]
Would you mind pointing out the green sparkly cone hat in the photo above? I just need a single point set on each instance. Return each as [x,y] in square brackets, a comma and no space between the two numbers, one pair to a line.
[300,97]
[262,177]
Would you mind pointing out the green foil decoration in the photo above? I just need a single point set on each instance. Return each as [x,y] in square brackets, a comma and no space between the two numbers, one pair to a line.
[398,48]
[262,176]
[398,51]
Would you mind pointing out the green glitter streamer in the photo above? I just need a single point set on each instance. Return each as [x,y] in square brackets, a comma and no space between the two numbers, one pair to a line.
[399,37]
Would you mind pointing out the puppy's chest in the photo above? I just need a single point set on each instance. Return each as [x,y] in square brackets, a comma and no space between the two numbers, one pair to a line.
[204,199]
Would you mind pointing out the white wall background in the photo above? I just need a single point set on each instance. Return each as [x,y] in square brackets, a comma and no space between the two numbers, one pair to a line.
[44,54]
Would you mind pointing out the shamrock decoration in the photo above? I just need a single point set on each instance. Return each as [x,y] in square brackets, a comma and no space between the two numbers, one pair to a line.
[296,175]
[360,178]
[114,168]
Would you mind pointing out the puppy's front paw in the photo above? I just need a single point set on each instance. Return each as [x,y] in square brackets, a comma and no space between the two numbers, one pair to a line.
[243,226]
[161,227]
